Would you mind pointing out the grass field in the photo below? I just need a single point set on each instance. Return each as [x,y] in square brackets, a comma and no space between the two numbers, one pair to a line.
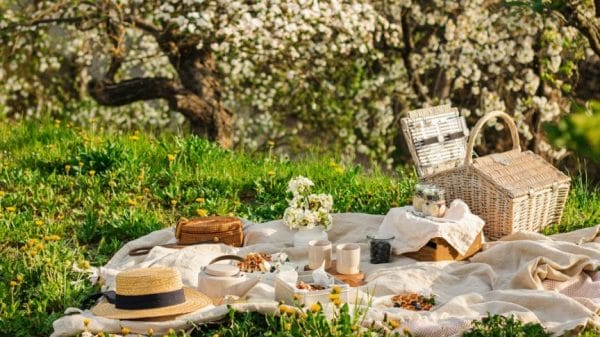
[69,198]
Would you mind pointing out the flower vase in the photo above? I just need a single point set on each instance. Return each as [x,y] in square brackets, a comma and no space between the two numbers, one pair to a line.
[304,235]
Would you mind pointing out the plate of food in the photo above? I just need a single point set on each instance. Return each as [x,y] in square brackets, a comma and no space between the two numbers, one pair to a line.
[411,301]
[263,263]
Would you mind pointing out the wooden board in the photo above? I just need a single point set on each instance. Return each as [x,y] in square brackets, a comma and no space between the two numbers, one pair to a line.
[437,249]
[354,280]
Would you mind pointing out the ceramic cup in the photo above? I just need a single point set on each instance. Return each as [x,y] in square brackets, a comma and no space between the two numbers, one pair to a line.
[348,258]
[319,251]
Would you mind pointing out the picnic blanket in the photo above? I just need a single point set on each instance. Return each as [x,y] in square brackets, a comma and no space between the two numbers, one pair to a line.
[552,280]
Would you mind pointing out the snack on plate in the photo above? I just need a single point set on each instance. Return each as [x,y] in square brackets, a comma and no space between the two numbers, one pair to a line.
[413,301]
[264,263]
[256,262]
[309,286]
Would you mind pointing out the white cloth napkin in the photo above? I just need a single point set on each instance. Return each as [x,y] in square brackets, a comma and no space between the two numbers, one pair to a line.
[459,227]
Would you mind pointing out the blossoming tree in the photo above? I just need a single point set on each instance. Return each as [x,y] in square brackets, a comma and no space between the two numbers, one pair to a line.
[247,72]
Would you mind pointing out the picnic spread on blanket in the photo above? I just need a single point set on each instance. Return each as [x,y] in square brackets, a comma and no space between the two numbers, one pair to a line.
[429,265]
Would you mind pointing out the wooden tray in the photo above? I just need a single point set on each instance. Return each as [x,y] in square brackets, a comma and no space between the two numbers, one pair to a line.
[354,280]
[438,249]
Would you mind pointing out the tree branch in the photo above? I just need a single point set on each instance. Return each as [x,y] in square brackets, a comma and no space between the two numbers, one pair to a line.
[133,90]
[413,76]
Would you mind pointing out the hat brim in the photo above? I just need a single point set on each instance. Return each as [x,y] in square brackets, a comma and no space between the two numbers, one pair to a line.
[194,300]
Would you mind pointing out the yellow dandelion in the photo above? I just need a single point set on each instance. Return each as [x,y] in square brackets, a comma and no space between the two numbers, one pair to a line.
[81,164]
[406,331]
[236,203]
[32,253]
[271,173]
[38,222]
[271,143]
[1,194]
[339,169]
[20,278]
[297,297]
[12,283]
[112,183]
[141,177]
[124,331]
[150,332]
[173,202]
[146,190]
[92,173]
[333,297]
[287,326]
[216,335]
[170,157]
[86,322]
[336,289]
[39,246]
[200,200]
[316,307]
[85,264]
[393,323]
[286,309]
[337,302]
[67,168]
[139,197]
[131,202]
[201,212]
[60,217]
[11,209]
[134,138]
[51,238]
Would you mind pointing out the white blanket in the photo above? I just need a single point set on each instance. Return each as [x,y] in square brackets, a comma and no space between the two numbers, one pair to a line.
[552,280]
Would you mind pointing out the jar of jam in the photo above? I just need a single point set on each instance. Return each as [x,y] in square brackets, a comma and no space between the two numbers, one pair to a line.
[435,202]
[380,247]
[419,196]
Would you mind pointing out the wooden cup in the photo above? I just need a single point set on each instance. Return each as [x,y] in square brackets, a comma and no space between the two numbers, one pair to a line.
[319,251]
[348,258]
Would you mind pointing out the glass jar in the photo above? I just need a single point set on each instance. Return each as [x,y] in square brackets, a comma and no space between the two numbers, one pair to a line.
[380,247]
[419,196]
[435,202]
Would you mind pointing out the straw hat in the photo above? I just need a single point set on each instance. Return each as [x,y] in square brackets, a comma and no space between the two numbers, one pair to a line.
[148,293]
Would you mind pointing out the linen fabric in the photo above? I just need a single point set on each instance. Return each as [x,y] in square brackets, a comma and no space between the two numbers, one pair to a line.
[459,227]
[552,280]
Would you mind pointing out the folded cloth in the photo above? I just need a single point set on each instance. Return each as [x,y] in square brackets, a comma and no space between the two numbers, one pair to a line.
[459,227]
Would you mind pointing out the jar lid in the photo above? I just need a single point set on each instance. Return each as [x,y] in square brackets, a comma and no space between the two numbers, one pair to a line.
[221,270]
[380,236]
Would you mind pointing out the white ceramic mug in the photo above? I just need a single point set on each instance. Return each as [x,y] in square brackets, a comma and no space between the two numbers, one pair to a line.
[348,258]
[319,251]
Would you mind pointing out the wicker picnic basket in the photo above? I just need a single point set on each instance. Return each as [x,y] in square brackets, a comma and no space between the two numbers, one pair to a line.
[511,191]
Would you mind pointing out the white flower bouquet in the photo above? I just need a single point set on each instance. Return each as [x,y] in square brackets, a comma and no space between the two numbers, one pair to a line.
[307,210]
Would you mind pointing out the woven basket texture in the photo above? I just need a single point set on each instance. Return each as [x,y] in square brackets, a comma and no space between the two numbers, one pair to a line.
[511,191]
[216,229]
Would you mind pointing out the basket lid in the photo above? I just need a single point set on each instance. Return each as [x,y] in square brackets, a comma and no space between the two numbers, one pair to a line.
[519,173]
[436,137]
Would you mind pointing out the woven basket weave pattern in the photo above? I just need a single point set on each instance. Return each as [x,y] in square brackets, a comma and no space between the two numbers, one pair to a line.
[217,229]
[511,191]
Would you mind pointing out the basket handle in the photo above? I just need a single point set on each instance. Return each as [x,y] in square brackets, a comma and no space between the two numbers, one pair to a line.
[514,133]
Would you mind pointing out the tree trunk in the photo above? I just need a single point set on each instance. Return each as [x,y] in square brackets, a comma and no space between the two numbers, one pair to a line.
[197,94]
[201,103]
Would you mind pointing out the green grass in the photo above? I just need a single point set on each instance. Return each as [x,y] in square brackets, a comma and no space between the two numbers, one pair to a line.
[71,196]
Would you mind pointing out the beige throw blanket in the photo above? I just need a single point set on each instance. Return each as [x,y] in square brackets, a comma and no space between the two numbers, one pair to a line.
[552,280]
